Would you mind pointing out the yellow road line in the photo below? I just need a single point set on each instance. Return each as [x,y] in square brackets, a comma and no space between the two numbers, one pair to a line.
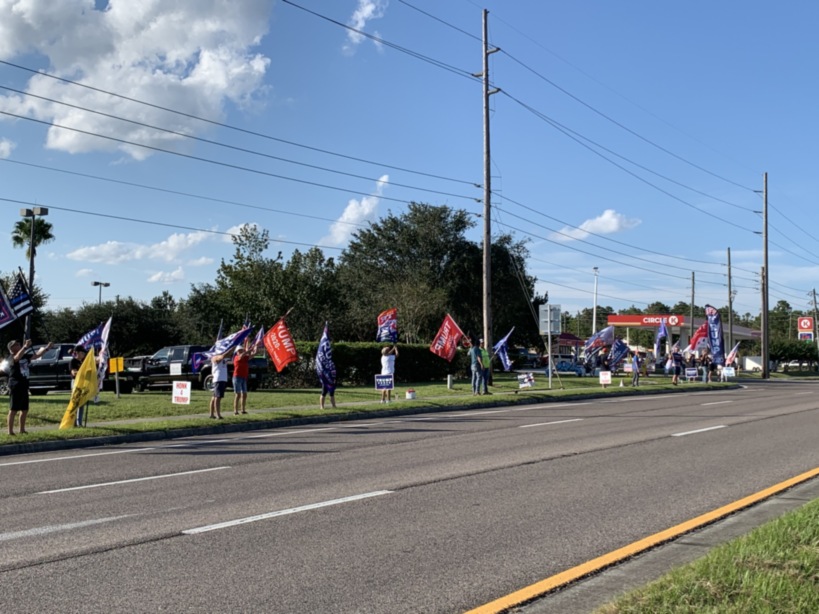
[575,573]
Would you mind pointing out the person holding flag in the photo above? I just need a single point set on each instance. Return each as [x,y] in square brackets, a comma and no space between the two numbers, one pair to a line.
[20,355]
[219,369]
[241,373]
[79,353]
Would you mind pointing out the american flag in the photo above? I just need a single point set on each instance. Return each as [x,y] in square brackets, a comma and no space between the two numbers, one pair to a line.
[19,297]
[6,312]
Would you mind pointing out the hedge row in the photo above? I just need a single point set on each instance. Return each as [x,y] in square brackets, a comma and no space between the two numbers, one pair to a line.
[357,364]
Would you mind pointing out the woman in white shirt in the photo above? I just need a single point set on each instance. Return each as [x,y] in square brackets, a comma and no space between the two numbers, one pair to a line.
[388,355]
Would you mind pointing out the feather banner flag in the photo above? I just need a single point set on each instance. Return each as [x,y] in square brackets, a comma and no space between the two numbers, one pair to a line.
[388,326]
[85,387]
[715,335]
[280,345]
[446,341]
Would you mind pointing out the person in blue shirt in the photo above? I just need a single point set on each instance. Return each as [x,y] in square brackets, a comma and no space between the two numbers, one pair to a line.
[476,361]
[635,369]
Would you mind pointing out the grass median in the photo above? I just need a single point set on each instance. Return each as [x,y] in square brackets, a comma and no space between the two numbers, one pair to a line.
[775,568]
[153,410]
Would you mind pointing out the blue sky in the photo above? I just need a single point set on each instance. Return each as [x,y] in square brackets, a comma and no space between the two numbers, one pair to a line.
[629,136]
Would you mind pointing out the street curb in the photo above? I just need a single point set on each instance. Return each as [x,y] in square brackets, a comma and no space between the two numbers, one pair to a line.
[524,398]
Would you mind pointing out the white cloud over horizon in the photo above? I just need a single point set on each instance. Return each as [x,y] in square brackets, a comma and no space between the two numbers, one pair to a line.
[356,212]
[118,252]
[608,222]
[167,277]
[194,58]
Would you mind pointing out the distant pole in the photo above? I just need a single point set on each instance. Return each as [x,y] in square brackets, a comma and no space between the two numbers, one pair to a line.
[765,276]
[815,323]
[730,306]
[594,313]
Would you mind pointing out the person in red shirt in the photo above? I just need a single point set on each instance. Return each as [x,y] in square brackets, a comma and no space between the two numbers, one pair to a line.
[241,372]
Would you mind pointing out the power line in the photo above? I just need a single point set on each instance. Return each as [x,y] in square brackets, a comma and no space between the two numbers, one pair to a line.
[153,223]
[231,127]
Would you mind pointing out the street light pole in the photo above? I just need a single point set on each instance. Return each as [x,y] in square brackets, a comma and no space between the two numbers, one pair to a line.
[101,284]
[31,213]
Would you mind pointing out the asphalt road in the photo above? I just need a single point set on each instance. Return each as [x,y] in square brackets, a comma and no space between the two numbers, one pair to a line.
[427,513]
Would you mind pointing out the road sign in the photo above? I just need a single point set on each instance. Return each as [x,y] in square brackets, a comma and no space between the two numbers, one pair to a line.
[549,318]
[805,324]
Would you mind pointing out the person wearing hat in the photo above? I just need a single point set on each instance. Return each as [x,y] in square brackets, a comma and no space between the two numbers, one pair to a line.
[78,356]
[20,354]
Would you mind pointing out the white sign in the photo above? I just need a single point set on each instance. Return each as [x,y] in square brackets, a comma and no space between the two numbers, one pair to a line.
[729,372]
[181,393]
[176,368]
[605,378]
[526,380]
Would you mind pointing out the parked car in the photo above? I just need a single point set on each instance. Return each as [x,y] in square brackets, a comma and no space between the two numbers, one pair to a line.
[181,363]
[52,372]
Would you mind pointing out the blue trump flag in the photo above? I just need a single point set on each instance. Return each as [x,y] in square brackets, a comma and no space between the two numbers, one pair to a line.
[600,339]
[618,352]
[93,338]
[501,349]
[715,335]
[325,367]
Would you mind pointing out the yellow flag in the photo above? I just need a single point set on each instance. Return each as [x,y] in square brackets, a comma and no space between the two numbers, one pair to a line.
[85,387]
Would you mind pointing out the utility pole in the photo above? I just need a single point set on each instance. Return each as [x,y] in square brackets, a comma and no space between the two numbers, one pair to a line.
[730,306]
[815,323]
[487,191]
[765,275]
[691,324]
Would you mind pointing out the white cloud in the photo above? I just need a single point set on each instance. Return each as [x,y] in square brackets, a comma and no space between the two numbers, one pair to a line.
[366,10]
[117,252]
[168,277]
[193,57]
[6,147]
[84,273]
[356,212]
[203,261]
[609,222]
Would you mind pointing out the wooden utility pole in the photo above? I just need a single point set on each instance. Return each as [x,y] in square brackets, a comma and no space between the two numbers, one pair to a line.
[487,191]
[765,275]
[730,306]
[691,324]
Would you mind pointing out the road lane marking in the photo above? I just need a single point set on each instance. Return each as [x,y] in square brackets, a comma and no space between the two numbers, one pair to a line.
[710,428]
[292,510]
[64,458]
[283,433]
[56,528]
[526,426]
[552,583]
[153,477]
[715,403]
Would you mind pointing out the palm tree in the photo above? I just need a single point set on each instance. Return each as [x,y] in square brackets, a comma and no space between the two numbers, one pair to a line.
[21,235]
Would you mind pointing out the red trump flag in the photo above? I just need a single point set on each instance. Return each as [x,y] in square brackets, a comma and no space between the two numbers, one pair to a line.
[446,341]
[280,345]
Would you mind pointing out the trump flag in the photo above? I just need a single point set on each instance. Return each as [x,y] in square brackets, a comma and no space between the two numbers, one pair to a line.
[388,326]
[280,345]
[446,341]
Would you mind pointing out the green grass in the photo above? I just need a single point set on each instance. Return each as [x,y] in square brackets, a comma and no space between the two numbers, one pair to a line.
[772,570]
[153,410]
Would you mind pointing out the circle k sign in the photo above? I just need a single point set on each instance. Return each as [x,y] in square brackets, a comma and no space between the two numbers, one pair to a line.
[806,324]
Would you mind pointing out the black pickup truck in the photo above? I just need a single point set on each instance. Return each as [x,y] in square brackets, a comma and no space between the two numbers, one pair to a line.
[52,372]
[176,363]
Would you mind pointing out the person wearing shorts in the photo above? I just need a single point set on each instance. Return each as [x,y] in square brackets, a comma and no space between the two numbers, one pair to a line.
[219,369]
[20,354]
[241,372]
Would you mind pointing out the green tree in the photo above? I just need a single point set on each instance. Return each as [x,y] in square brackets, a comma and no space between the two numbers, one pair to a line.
[21,234]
